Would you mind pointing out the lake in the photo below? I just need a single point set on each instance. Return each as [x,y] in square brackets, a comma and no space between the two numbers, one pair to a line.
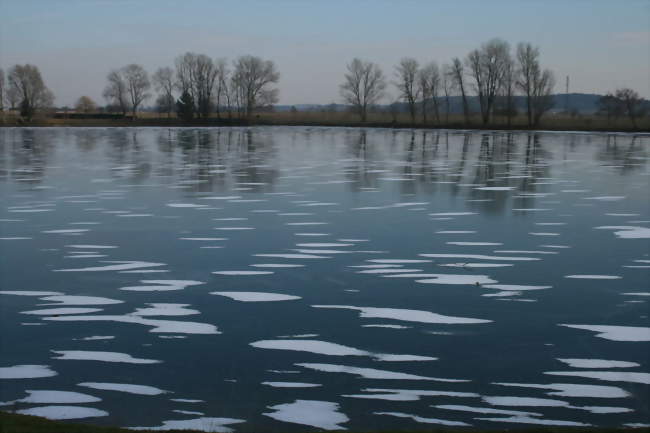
[296,279]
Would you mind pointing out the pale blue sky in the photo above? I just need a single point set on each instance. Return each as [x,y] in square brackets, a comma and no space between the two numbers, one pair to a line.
[601,44]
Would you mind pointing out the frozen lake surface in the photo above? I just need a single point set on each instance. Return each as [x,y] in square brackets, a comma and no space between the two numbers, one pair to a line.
[296,279]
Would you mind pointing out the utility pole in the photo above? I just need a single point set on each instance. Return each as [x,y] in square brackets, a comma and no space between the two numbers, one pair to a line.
[566,96]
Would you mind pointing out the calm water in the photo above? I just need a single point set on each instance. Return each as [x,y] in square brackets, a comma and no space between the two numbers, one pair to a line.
[292,279]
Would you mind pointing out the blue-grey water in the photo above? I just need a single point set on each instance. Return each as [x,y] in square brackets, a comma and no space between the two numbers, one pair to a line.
[296,279]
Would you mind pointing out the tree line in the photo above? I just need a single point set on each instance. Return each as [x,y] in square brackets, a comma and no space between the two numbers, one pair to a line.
[198,86]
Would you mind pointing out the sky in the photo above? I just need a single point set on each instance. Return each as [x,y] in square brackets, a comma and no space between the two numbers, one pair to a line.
[601,44]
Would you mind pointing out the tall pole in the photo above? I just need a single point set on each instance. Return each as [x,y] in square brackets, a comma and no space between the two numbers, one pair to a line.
[566,96]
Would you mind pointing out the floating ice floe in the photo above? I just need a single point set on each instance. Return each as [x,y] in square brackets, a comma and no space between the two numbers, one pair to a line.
[29,293]
[452,213]
[485,410]
[407,394]
[394,261]
[98,337]
[54,397]
[80,300]
[158,325]
[162,285]
[60,311]
[478,257]
[292,256]
[455,232]
[515,287]
[63,412]
[606,198]
[256,296]
[474,243]
[92,247]
[124,387]
[495,188]
[371,373]
[14,238]
[203,424]
[242,272]
[327,348]
[424,420]
[203,239]
[387,271]
[185,205]
[186,400]
[119,266]
[385,325]
[323,245]
[165,310]
[610,376]
[446,278]
[277,265]
[406,315]
[524,252]
[291,384]
[574,390]
[524,401]
[540,421]
[594,277]
[234,228]
[597,363]
[314,413]
[87,355]
[628,232]
[475,265]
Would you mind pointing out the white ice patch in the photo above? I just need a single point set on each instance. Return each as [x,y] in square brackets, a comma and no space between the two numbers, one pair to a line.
[124,387]
[524,401]
[162,285]
[63,412]
[55,397]
[371,373]
[319,414]
[478,257]
[323,245]
[606,198]
[406,315]
[393,261]
[611,376]
[119,266]
[447,278]
[515,287]
[87,355]
[381,325]
[277,265]
[242,272]
[66,231]
[80,300]
[162,326]
[478,244]
[291,384]
[26,372]
[60,311]
[387,271]
[616,333]
[475,265]
[203,239]
[455,232]
[597,363]
[256,296]
[495,188]
[292,256]
[574,390]
[540,421]
[234,228]
[424,420]
[185,205]
[452,213]
[98,337]
[165,310]
[333,349]
[92,247]
[202,424]
[594,277]
[629,232]
[28,293]
[486,410]
[407,394]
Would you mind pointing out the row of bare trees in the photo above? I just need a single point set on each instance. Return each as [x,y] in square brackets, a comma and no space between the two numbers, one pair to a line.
[25,90]
[623,102]
[492,71]
[204,86]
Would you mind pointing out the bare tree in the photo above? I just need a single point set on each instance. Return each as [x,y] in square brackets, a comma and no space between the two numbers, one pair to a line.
[163,80]
[406,73]
[27,83]
[609,105]
[487,66]
[428,81]
[115,91]
[457,74]
[535,84]
[223,73]
[364,85]
[508,88]
[630,103]
[13,97]
[137,85]
[253,78]
[447,85]
[85,104]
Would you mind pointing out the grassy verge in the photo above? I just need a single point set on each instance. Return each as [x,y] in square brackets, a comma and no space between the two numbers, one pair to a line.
[14,423]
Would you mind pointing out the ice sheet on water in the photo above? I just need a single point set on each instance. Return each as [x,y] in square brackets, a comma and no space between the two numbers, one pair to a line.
[371,373]
[393,261]
[292,256]
[63,412]
[242,272]
[531,420]
[524,401]
[323,245]
[66,231]
[594,277]
[29,293]
[485,410]
[80,300]
[158,325]
[118,266]
[54,397]
[256,296]
[452,213]
[475,265]
[162,285]
[203,239]
[387,271]
[165,310]
[277,265]
[474,243]
[60,311]
[446,278]
[88,355]
[455,232]
[424,420]
[291,384]
[574,390]
[407,394]
[385,325]
[333,349]
[202,424]
[515,287]
[611,376]
[26,372]
[478,257]
[124,387]
[597,363]
[314,413]
[406,315]
[92,247]
[628,232]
